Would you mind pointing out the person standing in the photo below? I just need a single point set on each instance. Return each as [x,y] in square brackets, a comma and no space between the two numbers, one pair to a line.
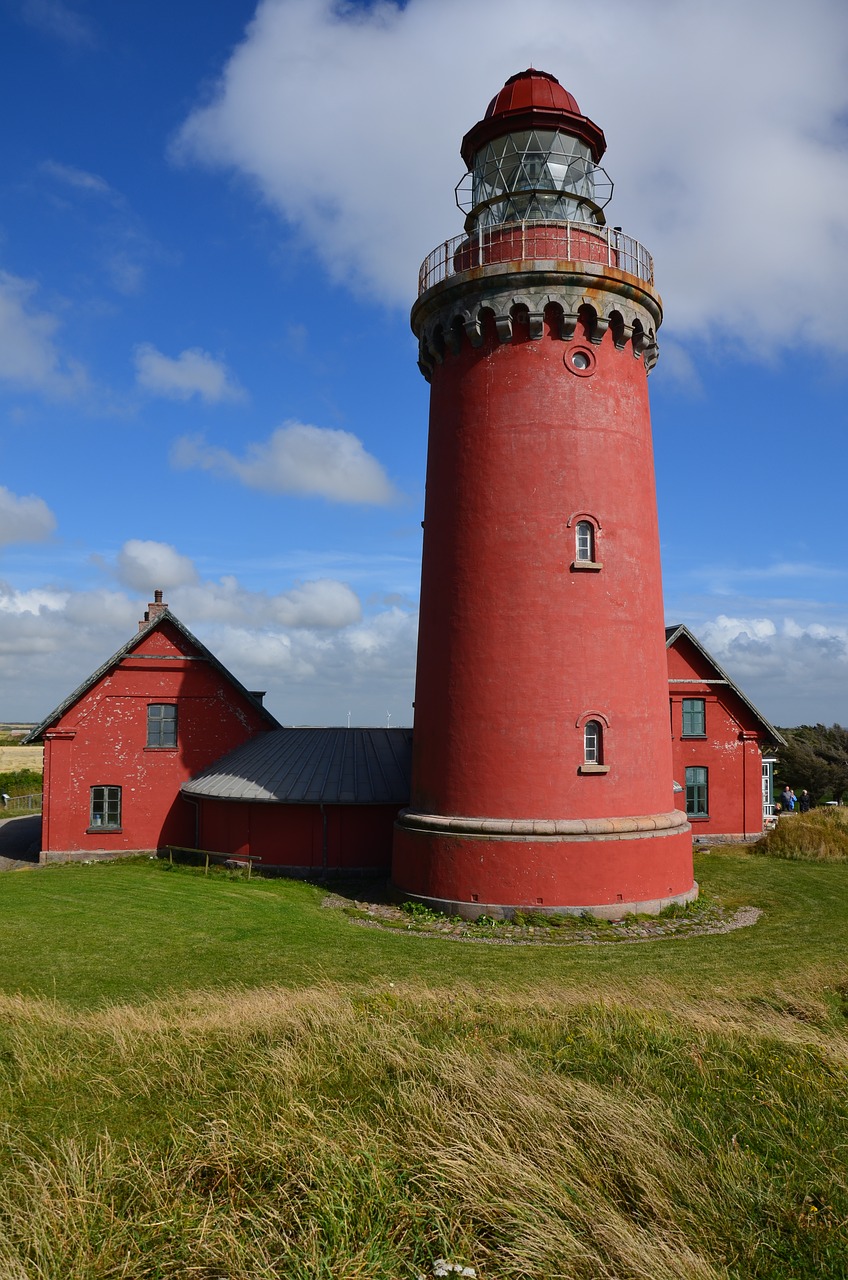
[805,802]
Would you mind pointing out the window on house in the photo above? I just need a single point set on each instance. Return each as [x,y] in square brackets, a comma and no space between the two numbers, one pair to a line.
[585,540]
[161,725]
[697,794]
[592,742]
[694,718]
[106,807]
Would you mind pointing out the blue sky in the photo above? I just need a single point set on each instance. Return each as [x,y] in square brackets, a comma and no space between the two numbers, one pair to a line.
[211,220]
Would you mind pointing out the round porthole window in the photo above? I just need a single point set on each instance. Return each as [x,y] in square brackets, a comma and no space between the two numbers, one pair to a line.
[580,360]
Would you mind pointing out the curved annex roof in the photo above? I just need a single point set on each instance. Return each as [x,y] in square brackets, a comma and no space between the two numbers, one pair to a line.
[312,766]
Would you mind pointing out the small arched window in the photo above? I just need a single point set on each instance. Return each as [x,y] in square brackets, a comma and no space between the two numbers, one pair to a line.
[593,742]
[585,542]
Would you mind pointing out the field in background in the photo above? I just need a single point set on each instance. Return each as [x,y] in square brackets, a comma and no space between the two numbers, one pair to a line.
[212,1077]
[14,758]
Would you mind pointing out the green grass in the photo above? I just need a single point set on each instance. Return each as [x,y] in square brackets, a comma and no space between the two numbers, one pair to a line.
[205,1077]
[127,931]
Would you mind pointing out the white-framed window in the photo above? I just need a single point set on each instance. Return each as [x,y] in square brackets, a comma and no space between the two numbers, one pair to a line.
[593,742]
[697,792]
[584,538]
[161,725]
[105,809]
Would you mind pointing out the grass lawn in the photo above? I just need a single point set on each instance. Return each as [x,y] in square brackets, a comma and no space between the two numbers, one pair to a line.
[125,931]
[215,1078]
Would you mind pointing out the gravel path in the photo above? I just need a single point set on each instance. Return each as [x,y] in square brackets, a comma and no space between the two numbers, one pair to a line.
[698,923]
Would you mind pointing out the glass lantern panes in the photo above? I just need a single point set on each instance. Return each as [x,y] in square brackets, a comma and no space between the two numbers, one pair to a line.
[537,174]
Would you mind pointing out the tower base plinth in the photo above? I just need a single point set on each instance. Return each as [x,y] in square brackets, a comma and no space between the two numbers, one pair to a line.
[604,866]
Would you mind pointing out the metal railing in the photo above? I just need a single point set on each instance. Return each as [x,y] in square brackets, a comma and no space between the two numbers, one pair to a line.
[536,241]
[16,805]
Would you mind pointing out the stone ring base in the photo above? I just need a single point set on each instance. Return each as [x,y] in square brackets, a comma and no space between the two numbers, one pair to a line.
[473,910]
[473,867]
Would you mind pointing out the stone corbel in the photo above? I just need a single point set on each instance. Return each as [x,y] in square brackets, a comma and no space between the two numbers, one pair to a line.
[651,354]
[473,328]
[536,321]
[570,321]
[640,341]
[503,324]
[599,329]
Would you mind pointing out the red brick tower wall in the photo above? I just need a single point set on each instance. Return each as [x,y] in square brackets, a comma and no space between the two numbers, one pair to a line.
[539,419]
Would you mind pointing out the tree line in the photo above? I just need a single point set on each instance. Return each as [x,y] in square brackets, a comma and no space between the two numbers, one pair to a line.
[816,758]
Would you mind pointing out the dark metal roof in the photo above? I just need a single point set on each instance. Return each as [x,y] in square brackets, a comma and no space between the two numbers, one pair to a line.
[125,651]
[673,633]
[533,99]
[312,766]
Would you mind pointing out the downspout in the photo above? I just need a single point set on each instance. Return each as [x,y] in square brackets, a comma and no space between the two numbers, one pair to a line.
[744,787]
[324,853]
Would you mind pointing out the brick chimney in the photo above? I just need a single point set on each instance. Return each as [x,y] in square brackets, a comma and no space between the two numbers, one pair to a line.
[152,612]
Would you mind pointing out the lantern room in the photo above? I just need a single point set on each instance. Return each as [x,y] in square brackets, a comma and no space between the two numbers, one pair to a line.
[533,156]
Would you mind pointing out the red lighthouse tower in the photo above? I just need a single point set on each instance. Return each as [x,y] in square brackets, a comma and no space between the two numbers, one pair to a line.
[542,768]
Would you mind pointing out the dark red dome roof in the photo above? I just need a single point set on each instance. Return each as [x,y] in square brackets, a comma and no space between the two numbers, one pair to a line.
[532,99]
[532,89]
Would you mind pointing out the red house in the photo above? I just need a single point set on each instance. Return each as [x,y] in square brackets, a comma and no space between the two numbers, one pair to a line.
[721,744]
[118,749]
[162,745]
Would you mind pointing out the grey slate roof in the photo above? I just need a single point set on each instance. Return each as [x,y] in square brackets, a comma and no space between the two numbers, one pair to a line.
[672,633]
[127,649]
[312,766]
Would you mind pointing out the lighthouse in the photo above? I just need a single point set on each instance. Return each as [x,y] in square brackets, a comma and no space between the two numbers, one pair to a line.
[542,766]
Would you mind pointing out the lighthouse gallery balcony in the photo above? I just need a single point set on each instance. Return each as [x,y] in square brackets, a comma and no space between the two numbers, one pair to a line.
[547,244]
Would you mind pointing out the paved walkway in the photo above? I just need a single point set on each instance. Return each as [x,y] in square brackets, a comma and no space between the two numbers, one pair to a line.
[20,842]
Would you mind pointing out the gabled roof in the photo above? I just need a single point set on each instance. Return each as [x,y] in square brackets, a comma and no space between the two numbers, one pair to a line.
[312,766]
[125,651]
[674,633]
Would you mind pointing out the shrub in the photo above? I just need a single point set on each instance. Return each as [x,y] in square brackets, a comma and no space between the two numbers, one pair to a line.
[818,836]
[21,782]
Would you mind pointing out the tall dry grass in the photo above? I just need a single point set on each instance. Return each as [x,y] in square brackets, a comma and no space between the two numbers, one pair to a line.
[818,836]
[337,1134]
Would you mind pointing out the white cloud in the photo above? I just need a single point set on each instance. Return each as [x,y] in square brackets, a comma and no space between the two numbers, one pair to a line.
[17,602]
[146,566]
[738,187]
[322,603]
[309,647]
[56,19]
[795,672]
[367,669]
[298,458]
[193,373]
[24,519]
[29,357]
[80,180]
